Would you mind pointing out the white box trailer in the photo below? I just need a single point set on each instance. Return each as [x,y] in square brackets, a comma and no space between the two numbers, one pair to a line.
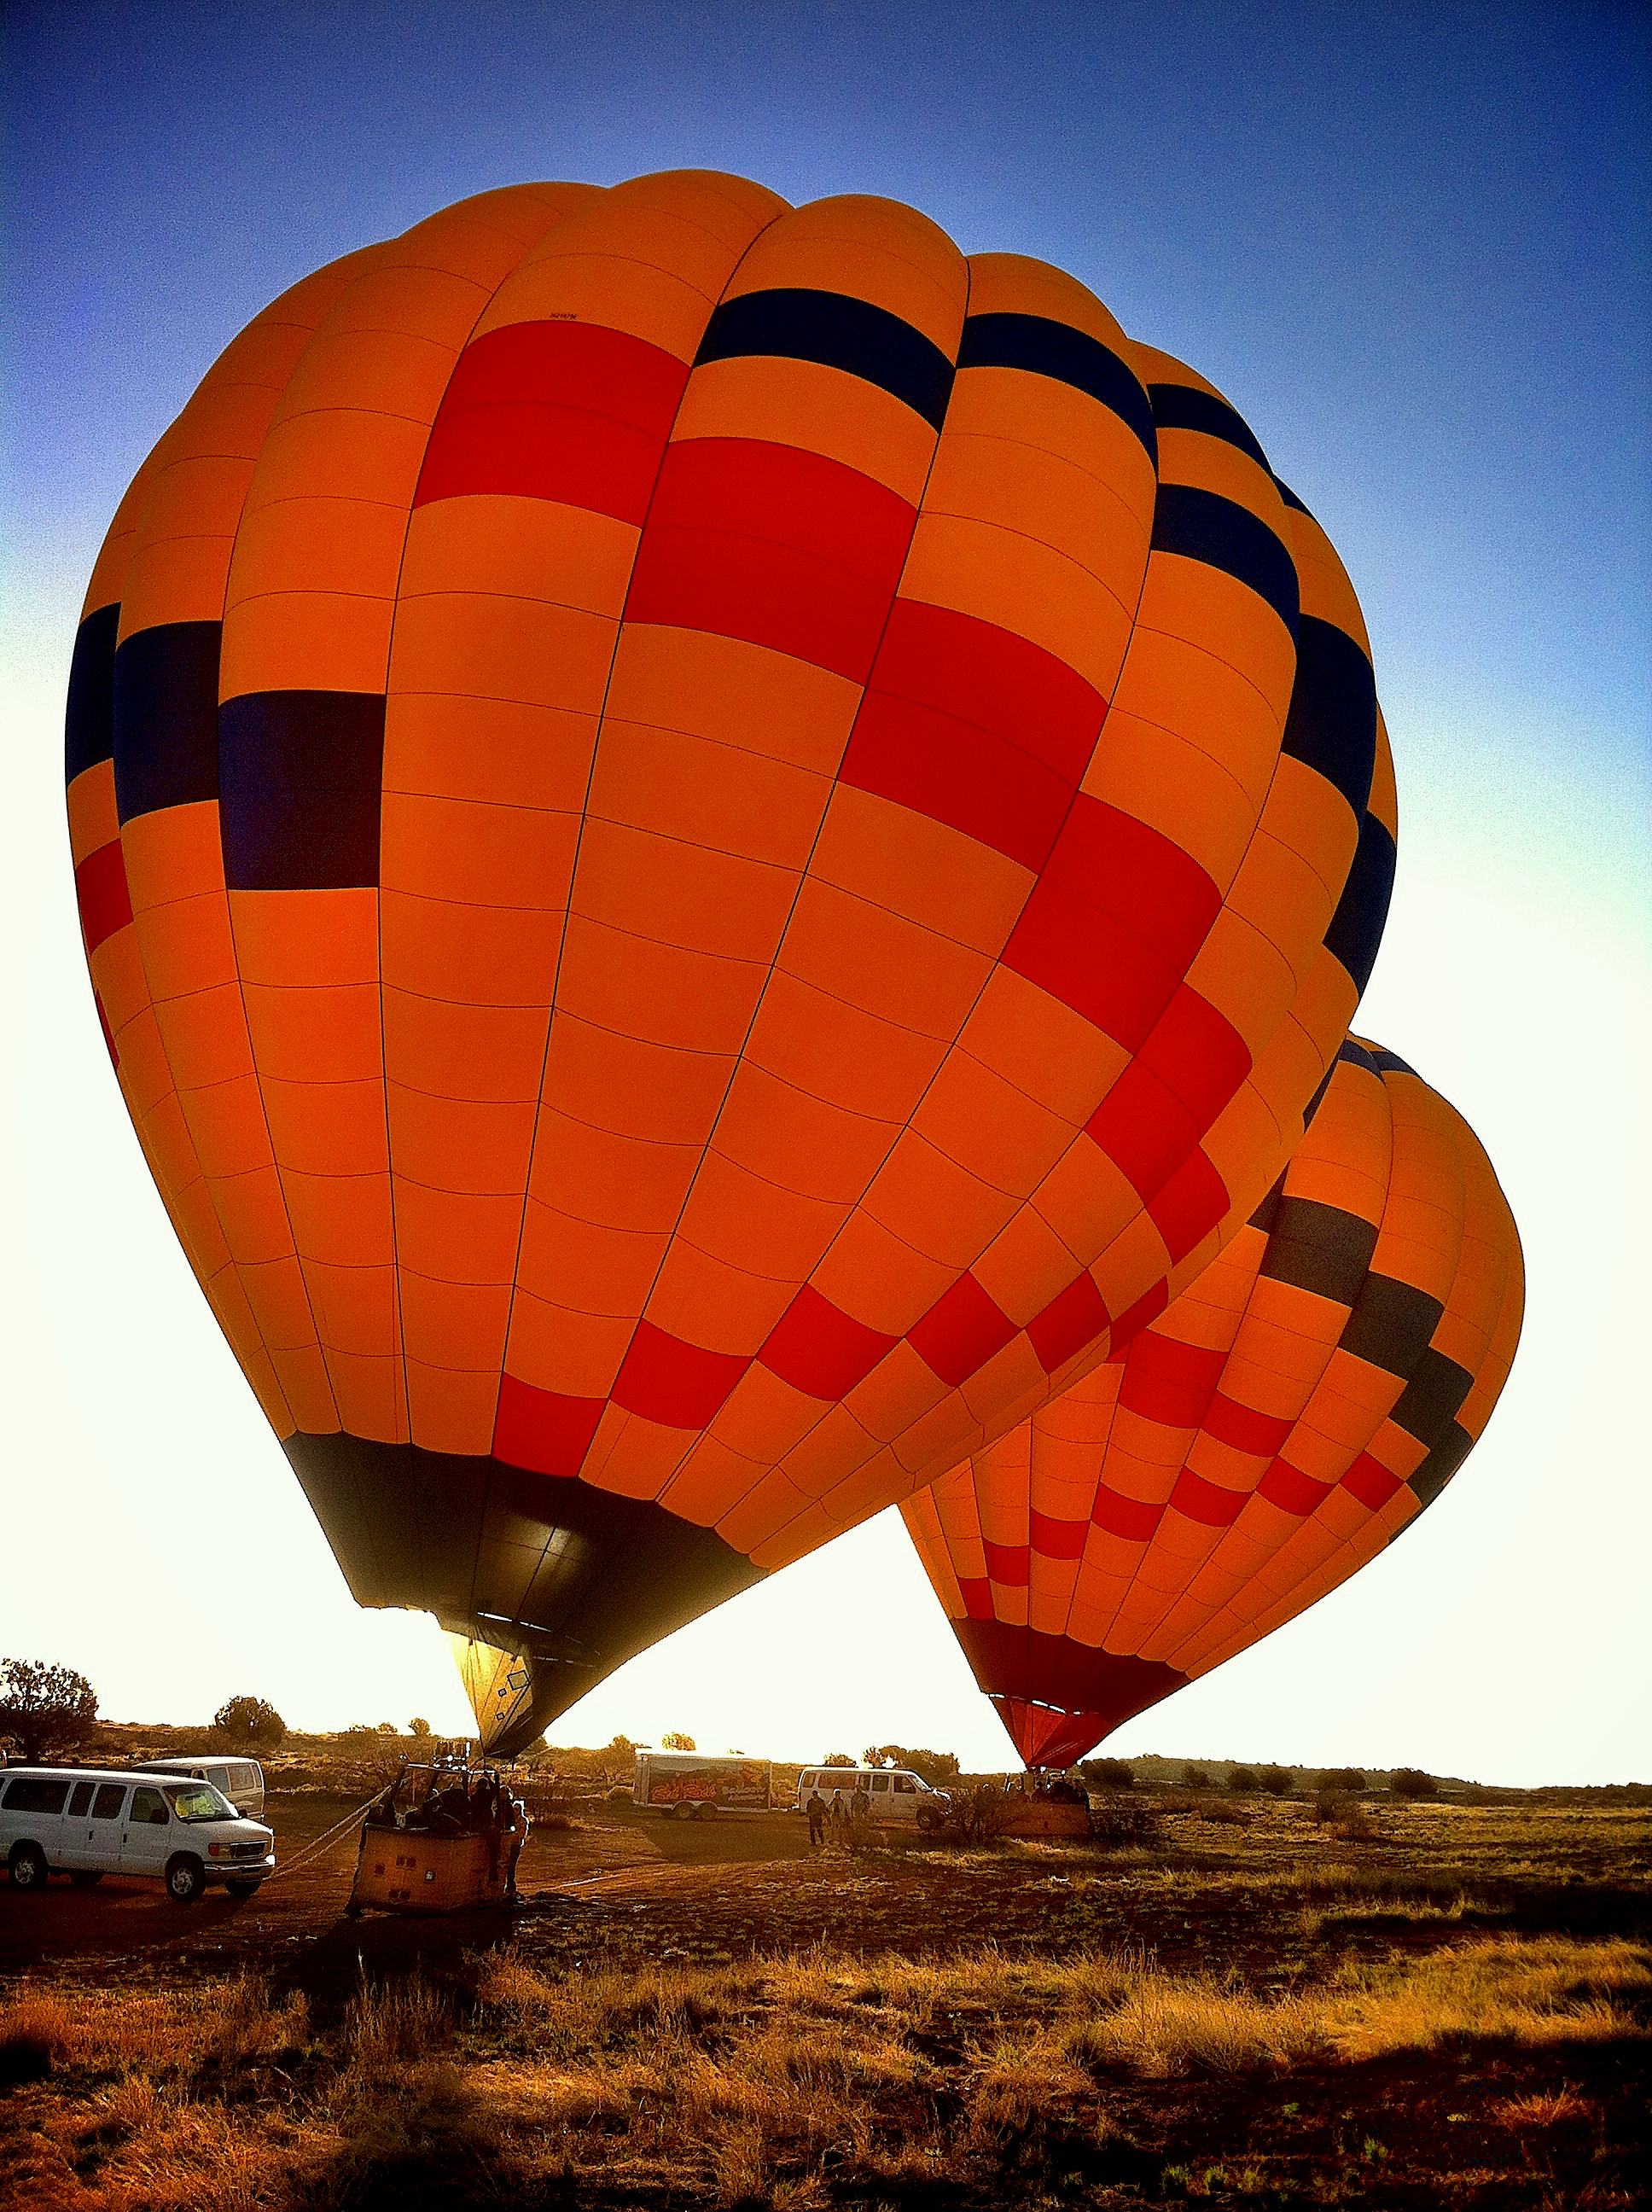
[692,1785]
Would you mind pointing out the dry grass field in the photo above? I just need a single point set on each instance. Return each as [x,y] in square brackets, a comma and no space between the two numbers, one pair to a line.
[1240,2006]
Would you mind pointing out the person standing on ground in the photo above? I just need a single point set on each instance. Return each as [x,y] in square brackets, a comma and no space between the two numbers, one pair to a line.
[859,1819]
[815,1808]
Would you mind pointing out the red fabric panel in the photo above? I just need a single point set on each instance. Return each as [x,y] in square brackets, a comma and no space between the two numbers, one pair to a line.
[1143,1130]
[977,1597]
[1169,1382]
[1244,1427]
[541,1430]
[1046,1737]
[1114,920]
[681,1385]
[1058,1540]
[774,545]
[975,727]
[1073,1318]
[1189,1206]
[1126,1518]
[1130,1323]
[1207,1501]
[564,410]
[1291,1489]
[816,1346]
[1197,1055]
[960,1332]
[1025,1663]
[1371,1483]
[1008,1564]
[108,1034]
[105,902]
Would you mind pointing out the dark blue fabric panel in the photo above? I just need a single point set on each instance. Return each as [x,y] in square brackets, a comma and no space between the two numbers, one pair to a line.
[1292,500]
[1318,1248]
[1202,526]
[89,721]
[1331,725]
[838,332]
[300,774]
[1056,349]
[1442,1463]
[166,716]
[1356,930]
[1391,1324]
[1391,1064]
[1428,1404]
[1181,407]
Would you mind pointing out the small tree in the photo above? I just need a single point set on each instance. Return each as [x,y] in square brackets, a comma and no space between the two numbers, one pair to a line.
[837,1758]
[1242,1781]
[935,1768]
[1411,1782]
[1277,1781]
[622,1746]
[674,1740]
[45,1710]
[1109,1773]
[1194,1778]
[250,1721]
[1341,1782]
[418,1727]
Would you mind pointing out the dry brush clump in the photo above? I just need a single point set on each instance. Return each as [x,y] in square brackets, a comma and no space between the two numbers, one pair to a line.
[786,2081]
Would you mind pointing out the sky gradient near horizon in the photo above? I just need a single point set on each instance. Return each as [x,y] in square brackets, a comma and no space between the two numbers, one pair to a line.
[1411,244]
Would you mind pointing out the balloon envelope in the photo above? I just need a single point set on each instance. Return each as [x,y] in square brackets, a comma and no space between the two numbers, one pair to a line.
[712,840]
[1280,1424]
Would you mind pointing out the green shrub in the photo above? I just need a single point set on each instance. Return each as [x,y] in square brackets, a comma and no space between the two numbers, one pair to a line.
[1347,1780]
[1108,1773]
[1413,1782]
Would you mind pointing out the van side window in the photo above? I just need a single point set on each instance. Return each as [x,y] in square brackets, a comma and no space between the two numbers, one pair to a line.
[244,1776]
[880,1781]
[110,1797]
[34,1794]
[905,1783]
[80,1800]
[150,1805]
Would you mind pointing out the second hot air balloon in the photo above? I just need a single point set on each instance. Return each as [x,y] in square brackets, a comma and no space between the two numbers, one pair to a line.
[1288,1416]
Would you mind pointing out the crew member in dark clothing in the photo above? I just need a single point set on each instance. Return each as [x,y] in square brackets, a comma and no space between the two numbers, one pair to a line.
[815,1808]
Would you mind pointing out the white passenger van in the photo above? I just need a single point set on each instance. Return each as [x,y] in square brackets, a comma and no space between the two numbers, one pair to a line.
[240,1780]
[88,1821]
[898,1796]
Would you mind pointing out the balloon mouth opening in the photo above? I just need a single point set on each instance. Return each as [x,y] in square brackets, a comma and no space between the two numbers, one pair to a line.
[1048,1736]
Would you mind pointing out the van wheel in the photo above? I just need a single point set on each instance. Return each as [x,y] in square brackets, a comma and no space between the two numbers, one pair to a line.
[243,1888]
[27,1867]
[928,1821]
[186,1879]
[87,1877]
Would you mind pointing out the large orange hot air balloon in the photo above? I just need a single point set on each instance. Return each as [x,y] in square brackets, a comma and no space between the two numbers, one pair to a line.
[710,837]
[1287,1416]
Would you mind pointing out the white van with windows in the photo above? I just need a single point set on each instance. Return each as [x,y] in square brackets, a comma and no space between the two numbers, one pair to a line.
[240,1780]
[898,1797]
[88,1821]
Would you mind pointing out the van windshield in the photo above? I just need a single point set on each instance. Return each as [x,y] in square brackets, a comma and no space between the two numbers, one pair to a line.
[199,1801]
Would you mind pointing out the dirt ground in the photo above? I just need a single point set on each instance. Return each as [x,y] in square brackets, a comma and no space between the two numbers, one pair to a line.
[1262,1902]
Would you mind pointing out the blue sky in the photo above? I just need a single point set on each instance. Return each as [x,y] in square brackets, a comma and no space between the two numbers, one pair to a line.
[1410,243]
